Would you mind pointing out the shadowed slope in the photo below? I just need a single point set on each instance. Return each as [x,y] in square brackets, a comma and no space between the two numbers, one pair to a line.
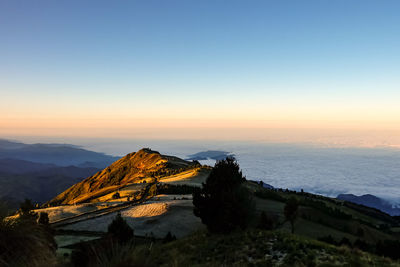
[131,168]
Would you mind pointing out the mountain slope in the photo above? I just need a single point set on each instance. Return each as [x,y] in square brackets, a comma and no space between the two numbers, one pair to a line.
[371,201]
[20,179]
[17,166]
[131,168]
[39,186]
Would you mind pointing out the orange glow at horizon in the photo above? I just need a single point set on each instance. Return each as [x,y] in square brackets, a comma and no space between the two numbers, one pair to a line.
[339,133]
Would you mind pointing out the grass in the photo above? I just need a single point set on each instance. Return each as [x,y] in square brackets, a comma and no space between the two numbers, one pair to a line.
[65,240]
[192,177]
[395,229]
[124,192]
[269,206]
[25,243]
[320,216]
[259,248]
[315,230]
[252,247]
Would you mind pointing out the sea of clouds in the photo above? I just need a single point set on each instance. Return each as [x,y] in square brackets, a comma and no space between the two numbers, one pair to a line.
[327,171]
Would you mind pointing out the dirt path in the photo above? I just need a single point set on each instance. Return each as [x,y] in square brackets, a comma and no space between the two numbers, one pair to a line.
[98,213]
[92,214]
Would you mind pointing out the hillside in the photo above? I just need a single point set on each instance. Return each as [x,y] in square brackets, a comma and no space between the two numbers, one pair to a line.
[17,166]
[371,201]
[135,167]
[42,171]
[256,248]
[39,185]
[328,232]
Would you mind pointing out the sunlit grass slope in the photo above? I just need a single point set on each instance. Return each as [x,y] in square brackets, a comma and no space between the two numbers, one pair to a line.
[132,168]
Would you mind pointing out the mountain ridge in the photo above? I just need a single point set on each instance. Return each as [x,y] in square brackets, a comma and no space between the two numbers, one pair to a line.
[58,154]
[371,201]
[132,168]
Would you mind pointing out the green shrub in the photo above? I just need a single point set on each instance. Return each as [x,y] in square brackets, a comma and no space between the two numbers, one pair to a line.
[265,222]
[119,230]
[43,218]
[223,203]
[169,238]
[290,211]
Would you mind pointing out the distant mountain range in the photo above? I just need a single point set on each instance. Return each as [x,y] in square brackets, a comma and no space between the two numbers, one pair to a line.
[210,154]
[58,154]
[42,171]
[39,186]
[371,201]
[17,166]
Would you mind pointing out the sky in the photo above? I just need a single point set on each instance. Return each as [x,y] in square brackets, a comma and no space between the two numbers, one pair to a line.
[279,71]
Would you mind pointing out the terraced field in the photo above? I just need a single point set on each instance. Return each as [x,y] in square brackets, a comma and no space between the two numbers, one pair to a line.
[157,216]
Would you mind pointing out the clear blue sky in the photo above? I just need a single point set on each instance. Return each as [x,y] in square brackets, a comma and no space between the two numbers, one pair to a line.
[281,61]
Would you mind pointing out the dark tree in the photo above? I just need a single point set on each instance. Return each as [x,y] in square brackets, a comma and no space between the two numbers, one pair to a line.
[265,222]
[120,230]
[360,232]
[43,218]
[169,238]
[328,239]
[389,248]
[361,244]
[26,206]
[223,203]
[345,242]
[290,211]
[26,212]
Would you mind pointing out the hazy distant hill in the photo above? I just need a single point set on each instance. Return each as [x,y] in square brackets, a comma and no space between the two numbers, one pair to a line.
[40,185]
[5,144]
[17,166]
[131,168]
[40,172]
[371,201]
[58,154]
[210,154]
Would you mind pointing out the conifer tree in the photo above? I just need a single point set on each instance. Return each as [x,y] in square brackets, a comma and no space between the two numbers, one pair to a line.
[120,230]
[223,203]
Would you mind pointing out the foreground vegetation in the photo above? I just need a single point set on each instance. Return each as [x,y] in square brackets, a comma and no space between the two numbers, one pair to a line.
[260,248]
[252,247]
[26,240]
